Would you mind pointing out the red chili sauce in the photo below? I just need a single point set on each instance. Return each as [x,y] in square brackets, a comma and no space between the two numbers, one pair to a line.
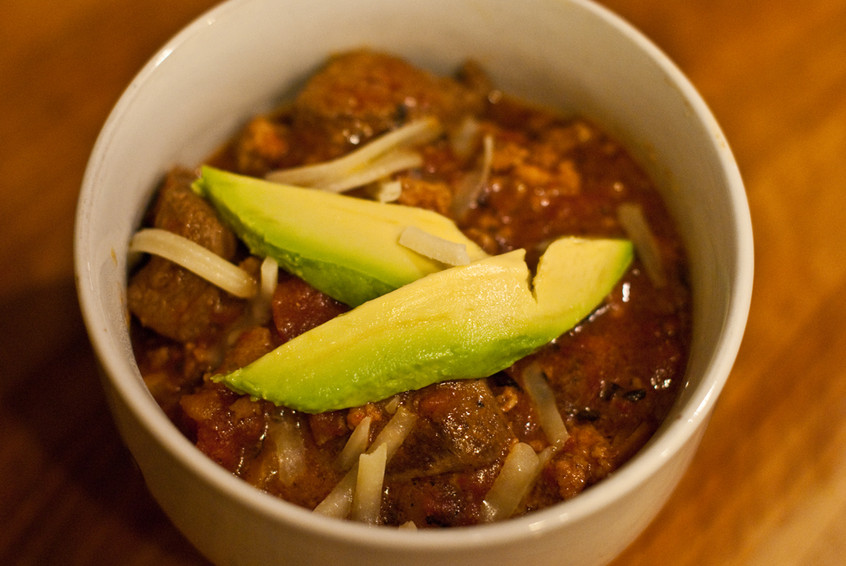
[615,375]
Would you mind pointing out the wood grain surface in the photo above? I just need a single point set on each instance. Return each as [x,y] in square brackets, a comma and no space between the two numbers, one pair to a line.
[768,486]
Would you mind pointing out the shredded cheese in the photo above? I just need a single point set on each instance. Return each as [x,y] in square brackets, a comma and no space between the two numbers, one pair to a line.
[338,503]
[474,182]
[434,247]
[382,167]
[543,401]
[392,404]
[269,278]
[515,479]
[356,444]
[195,258]
[396,431]
[367,499]
[388,191]
[376,160]
[634,223]
[288,439]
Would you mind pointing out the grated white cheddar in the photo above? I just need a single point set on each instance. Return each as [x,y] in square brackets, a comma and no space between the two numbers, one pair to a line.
[367,499]
[434,247]
[517,476]
[195,258]
[378,159]
[543,400]
[633,221]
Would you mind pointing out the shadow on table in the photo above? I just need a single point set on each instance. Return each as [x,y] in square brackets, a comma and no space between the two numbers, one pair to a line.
[56,425]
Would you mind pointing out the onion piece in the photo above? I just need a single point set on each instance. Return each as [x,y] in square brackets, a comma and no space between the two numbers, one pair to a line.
[195,258]
[543,400]
[356,444]
[388,152]
[515,479]
[474,182]
[434,247]
[367,499]
[637,229]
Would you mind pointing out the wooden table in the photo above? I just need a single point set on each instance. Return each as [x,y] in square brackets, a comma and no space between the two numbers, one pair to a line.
[769,483]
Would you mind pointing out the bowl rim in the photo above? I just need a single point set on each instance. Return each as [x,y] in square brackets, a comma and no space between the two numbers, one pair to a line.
[122,374]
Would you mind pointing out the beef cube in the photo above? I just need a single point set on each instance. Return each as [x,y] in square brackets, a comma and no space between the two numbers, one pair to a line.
[361,94]
[298,307]
[461,428]
[170,299]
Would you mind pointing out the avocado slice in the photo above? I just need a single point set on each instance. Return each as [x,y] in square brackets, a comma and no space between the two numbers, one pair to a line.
[463,322]
[344,246]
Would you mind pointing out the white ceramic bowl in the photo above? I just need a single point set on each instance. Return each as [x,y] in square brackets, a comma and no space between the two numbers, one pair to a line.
[245,55]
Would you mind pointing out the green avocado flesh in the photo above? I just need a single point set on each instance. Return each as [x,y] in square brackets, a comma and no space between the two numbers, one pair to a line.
[343,246]
[463,322]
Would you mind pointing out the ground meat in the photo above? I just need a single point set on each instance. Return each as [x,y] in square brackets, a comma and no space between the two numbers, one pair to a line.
[250,345]
[171,369]
[162,364]
[431,195]
[587,459]
[227,427]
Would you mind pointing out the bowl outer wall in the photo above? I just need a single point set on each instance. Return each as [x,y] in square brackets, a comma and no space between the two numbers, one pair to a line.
[176,112]
[229,530]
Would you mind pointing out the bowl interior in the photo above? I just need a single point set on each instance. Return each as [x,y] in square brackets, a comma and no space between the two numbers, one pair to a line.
[247,55]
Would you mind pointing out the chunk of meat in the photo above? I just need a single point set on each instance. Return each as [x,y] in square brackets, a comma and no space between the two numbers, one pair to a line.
[170,369]
[328,426]
[262,146]
[170,299]
[298,307]
[448,500]
[587,459]
[180,210]
[250,345]
[228,427]
[461,427]
[361,94]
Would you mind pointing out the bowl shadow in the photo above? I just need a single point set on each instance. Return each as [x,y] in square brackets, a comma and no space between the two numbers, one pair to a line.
[61,451]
